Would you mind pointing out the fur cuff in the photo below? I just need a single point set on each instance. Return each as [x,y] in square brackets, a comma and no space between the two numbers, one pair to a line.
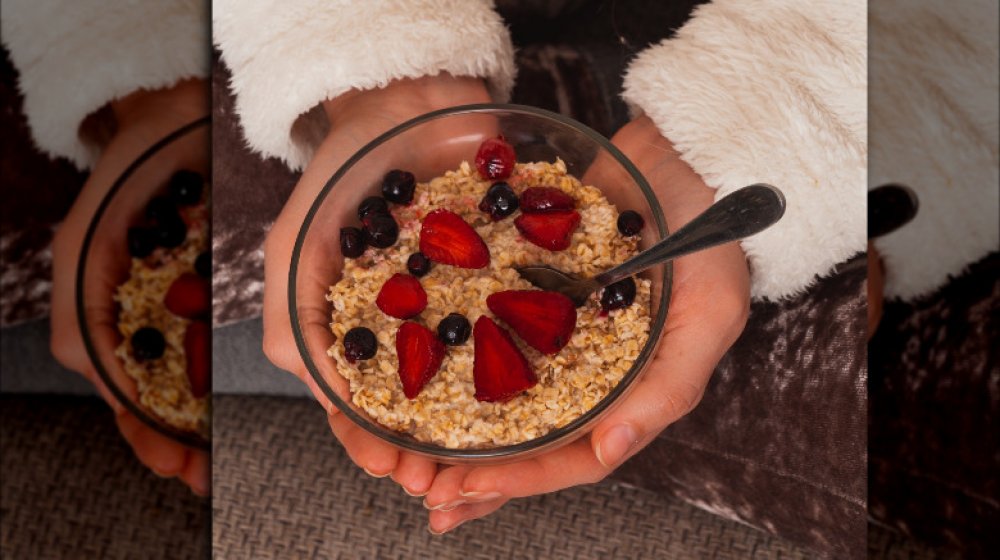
[771,91]
[287,57]
[75,57]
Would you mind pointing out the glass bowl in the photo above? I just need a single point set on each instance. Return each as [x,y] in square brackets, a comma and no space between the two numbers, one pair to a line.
[428,146]
[105,261]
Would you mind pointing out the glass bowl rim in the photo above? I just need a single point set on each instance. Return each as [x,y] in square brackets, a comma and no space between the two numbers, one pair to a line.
[505,451]
[189,439]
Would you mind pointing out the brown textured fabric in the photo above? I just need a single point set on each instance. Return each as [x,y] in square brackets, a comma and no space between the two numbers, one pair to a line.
[71,488]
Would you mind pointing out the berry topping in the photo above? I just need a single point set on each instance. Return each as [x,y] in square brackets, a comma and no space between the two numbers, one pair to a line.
[198,349]
[148,344]
[499,202]
[401,296]
[359,344]
[372,205]
[352,242]
[447,239]
[381,230]
[203,265]
[398,186]
[418,264]
[141,242]
[500,371]
[495,159]
[619,295]
[185,187]
[630,223]
[190,296]
[161,209]
[551,230]
[545,199]
[544,320]
[170,232]
[420,355]
[454,329]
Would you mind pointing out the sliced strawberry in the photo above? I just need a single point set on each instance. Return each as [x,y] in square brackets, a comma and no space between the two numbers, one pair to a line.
[198,350]
[401,296]
[551,230]
[495,159]
[420,354]
[500,371]
[545,199]
[545,320]
[190,296]
[447,239]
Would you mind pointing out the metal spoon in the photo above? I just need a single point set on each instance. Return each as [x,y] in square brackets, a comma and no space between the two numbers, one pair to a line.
[740,214]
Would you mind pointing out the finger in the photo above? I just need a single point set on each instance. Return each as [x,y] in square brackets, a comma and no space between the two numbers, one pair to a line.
[162,455]
[444,491]
[441,521]
[375,456]
[414,473]
[197,472]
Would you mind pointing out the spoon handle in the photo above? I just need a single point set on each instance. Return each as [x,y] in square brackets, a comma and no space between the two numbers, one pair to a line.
[740,214]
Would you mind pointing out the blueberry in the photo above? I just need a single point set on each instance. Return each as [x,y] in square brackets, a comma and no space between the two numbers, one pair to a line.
[418,264]
[398,186]
[203,265]
[185,187]
[352,242]
[454,329]
[161,209]
[359,344]
[141,241]
[380,230]
[372,205]
[171,232]
[619,295]
[148,344]
[499,202]
[630,223]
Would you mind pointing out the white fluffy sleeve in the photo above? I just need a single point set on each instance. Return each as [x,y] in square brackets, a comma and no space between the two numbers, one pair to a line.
[771,91]
[75,56]
[287,57]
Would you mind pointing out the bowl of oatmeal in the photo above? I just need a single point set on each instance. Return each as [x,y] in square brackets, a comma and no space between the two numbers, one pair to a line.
[406,303]
[143,295]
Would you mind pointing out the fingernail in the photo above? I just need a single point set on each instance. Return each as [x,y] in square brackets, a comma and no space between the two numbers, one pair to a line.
[434,508]
[616,444]
[451,505]
[415,494]
[452,528]
[479,496]
[370,473]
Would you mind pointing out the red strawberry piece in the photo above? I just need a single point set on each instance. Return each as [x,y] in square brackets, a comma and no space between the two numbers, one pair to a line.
[420,355]
[447,239]
[190,296]
[495,159]
[551,230]
[500,371]
[545,199]
[401,296]
[545,320]
[198,349]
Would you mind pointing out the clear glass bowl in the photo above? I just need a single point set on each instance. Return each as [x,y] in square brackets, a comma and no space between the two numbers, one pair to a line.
[104,261]
[428,146]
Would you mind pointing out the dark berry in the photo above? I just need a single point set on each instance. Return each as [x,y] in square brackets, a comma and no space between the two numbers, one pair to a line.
[171,232]
[141,242]
[454,329]
[380,230]
[398,186]
[619,295]
[185,187]
[203,265]
[148,344]
[162,209]
[372,205]
[630,223]
[418,264]
[359,344]
[499,202]
[352,242]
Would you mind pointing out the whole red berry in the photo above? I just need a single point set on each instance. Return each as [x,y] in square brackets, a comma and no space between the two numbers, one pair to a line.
[495,159]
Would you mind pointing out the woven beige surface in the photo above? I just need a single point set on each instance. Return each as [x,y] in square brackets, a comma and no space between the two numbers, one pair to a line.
[283,488]
[71,488]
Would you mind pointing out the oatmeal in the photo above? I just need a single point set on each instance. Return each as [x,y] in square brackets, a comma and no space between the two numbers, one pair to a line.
[163,311]
[599,346]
